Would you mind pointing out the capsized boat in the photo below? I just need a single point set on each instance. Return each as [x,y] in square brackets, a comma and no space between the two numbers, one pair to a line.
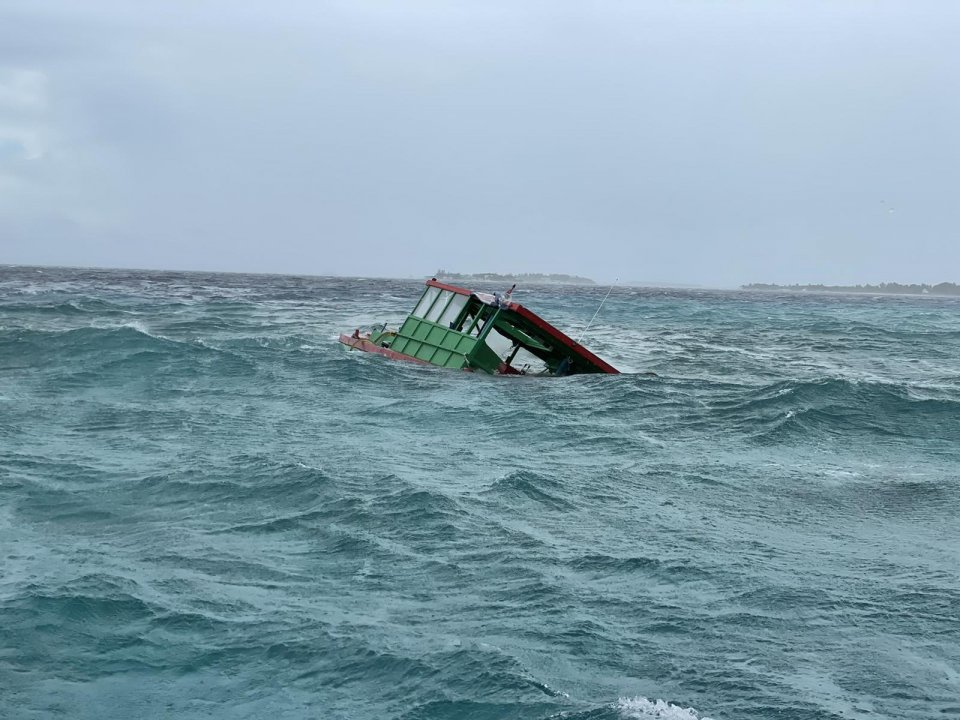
[454,327]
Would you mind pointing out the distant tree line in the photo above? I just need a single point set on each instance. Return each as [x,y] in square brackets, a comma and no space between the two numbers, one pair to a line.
[943,288]
[532,278]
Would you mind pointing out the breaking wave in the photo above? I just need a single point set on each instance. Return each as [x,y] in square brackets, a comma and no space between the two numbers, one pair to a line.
[639,708]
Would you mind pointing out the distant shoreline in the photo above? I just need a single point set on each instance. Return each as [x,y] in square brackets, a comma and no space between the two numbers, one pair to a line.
[944,289]
[532,278]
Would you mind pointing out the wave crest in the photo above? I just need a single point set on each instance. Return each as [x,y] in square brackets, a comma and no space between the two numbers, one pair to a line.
[640,708]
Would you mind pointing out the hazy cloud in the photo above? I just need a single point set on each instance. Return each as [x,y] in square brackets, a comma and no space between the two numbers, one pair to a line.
[680,141]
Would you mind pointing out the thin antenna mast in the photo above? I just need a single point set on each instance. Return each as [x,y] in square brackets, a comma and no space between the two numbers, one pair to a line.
[598,310]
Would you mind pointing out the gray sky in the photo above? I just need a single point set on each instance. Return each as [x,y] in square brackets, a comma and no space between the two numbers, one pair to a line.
[704,142]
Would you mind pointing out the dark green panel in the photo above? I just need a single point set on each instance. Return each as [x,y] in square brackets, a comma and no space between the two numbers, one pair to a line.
[483,358]
[408,325]
[436,335]
[424,352]
[440,345]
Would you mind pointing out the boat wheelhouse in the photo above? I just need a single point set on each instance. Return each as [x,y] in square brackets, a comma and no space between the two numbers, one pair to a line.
[456,328]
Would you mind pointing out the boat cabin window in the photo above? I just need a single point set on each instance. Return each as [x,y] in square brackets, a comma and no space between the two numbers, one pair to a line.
[527,362]
[467,323]
[426,301]
[500,344]
[453,310]
[518,358]
[434,313]
[473,321]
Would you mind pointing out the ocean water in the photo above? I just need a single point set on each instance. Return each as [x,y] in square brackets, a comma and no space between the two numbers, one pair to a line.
[210,509]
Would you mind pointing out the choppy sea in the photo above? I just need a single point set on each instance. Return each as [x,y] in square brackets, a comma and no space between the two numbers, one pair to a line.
[211,509]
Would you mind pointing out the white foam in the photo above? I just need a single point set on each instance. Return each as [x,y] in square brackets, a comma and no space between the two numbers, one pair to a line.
[137,325]
[639,708]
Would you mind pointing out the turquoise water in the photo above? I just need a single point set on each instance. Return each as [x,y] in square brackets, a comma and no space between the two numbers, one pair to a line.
[210,509]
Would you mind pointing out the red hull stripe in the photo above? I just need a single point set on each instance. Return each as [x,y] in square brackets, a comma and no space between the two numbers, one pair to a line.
[451,288]
[367,346]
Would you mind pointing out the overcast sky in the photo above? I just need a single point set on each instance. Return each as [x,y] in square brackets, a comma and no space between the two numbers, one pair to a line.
[704,142]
